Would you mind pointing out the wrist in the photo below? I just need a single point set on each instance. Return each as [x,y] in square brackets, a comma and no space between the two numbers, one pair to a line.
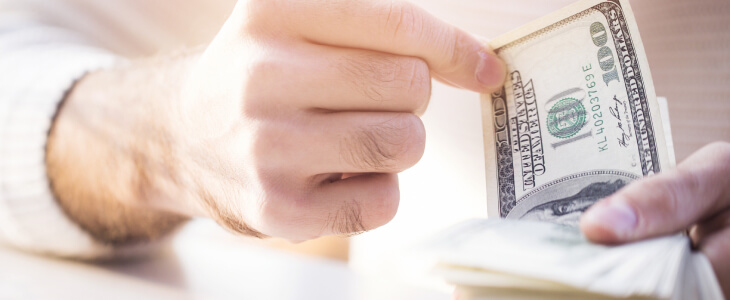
[113,156]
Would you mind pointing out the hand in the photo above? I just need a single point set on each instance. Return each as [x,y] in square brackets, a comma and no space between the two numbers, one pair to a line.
[694,196]
[292,123]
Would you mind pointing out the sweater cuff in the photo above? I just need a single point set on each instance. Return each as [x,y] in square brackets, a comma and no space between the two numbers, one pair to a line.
[30,217]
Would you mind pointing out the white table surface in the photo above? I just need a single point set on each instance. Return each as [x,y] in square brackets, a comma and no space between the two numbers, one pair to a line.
[201,262]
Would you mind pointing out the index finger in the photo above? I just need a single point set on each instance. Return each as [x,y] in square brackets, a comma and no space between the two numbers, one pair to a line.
[396,27]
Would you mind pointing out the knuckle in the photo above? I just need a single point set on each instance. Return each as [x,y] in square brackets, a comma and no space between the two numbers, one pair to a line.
[675,191]
[347,219]
[456,49]
[416,139]
[684,184]
[402,19]
[665,195]
[384,71]
[257,78]
[418,84]
[273,142]
[355,217]
[665,190]
[265,67]
[384,206]
[379,71]
[268,145]
[389,78]
[652,206]
[395,144]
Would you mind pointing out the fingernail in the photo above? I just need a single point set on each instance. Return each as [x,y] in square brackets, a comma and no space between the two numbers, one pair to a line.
[490,70]
[614,215]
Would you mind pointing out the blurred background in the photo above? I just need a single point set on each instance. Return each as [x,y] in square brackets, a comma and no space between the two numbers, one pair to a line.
[688,47]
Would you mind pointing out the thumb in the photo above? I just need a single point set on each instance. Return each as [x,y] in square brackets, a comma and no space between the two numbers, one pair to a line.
[665,203]
[470,64]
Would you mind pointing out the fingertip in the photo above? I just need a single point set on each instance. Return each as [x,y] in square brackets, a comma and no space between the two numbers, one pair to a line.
[369,200]
[609,221]
[597,233]
[491,71]
[382,207]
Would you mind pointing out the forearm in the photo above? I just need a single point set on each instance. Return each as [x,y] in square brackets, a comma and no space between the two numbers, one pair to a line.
[112,165]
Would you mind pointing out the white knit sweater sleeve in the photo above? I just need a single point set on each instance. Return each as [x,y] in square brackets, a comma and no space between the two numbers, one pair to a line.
[38,65]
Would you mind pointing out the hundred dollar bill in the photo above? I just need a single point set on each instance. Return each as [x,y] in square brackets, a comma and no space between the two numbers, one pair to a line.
[577,118]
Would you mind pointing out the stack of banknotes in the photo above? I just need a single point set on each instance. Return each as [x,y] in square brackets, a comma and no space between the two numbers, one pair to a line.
[577,119]
[517,259]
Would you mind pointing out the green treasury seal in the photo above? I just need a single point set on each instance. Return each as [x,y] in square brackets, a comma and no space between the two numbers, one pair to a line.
[566,118]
